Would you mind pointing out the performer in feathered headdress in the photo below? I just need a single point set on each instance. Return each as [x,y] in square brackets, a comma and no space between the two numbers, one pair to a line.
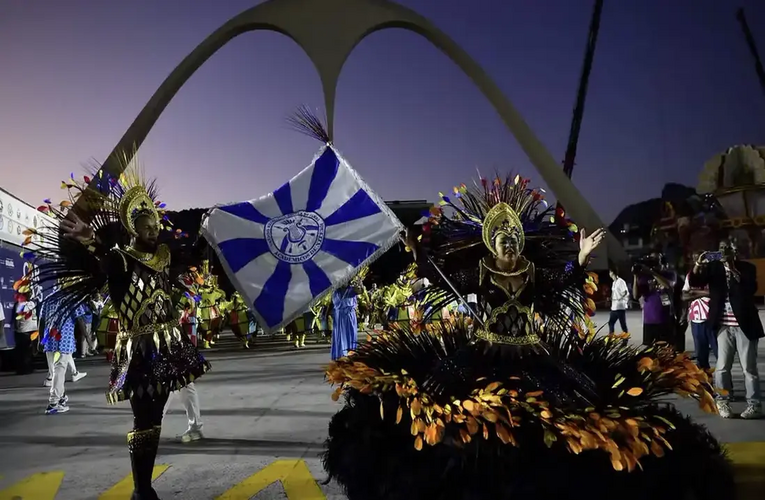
[524,401]
[109,235]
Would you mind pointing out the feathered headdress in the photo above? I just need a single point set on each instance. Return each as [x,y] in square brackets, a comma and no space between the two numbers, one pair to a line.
[460,231]
[490,206]
[110,205]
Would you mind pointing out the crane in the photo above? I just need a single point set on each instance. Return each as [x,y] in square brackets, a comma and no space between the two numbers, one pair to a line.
[752,46]
[576,121]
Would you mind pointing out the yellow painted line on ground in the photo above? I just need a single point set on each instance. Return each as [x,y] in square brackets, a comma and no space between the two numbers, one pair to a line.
[294,475]
[123,489]
[40,486]
[299,484]
[749,465]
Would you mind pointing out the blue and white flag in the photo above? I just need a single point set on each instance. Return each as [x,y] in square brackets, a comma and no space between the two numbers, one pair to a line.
[285,251]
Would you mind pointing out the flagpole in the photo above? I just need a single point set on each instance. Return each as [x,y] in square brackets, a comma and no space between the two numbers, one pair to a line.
[454,290]
[450,285]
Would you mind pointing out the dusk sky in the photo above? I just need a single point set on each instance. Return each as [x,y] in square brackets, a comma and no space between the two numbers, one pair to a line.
[673,84]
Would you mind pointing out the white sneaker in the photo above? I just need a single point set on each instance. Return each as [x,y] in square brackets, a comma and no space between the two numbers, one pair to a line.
[48,382]
[79,376]
[723,408]
[753,411]
[191,435]
[56,409]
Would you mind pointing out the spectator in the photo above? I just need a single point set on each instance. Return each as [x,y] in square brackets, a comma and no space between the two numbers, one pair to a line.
[653,282]
[704,338]
[620,299]
[96,306]
[734,317]
[58,344]
[25,330]
[83,334]
[3,340]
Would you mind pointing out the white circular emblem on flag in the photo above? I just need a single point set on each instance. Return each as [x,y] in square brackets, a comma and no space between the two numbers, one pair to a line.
[295,238]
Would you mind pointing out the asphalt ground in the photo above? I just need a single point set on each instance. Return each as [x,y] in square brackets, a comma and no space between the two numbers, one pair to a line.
[265,412]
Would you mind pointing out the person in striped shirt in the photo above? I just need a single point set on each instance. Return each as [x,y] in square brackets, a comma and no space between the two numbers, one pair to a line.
[704,338]
[734,317]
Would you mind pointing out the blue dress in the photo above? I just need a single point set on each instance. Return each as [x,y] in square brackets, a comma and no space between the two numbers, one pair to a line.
[345,327]
[58,340]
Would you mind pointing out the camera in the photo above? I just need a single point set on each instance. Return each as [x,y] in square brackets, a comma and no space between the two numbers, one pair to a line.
[647,264]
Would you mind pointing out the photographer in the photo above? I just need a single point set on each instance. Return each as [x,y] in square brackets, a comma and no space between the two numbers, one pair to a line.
[734,317]
[654,283]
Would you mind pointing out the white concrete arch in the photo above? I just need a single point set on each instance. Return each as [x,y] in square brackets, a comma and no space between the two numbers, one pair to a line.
[328,31]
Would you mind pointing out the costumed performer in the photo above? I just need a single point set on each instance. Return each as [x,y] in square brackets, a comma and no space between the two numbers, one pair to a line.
[322,319]
[118,246]
[364,299]
[344,323]
[240,320]
[522,401]
[396,297]
[209,307]
[295,331]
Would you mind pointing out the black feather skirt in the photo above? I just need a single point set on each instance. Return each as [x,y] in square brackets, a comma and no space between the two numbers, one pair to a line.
[438,416]
[154,364]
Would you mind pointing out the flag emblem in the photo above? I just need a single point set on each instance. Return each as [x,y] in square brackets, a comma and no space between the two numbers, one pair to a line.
[295,238]
[286,250]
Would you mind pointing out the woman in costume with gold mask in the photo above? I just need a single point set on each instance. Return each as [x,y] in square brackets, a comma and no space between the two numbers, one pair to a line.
[522,398]
[119,247]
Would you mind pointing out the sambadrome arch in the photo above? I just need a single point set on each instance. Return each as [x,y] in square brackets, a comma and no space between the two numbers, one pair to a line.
[328,31]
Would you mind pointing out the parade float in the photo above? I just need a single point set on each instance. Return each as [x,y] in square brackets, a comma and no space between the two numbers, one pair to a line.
[688,222]
[736,179]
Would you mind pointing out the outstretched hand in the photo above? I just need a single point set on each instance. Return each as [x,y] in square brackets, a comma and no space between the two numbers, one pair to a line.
[589,243]
[74,228]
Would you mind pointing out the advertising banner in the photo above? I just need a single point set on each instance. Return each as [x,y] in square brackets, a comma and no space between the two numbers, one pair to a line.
[16,216]
[11,269]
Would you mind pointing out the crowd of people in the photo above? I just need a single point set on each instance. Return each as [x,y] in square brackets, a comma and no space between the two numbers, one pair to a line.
[716,301]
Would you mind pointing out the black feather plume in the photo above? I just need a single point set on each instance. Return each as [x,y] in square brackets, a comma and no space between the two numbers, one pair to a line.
[303,120]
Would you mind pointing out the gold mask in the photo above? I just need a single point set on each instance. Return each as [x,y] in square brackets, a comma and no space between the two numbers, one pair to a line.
[502,219]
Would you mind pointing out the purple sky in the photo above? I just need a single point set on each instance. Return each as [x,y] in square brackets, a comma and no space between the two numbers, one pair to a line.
[673,84]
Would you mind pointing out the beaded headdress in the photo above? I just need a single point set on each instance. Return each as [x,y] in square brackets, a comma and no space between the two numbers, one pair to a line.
[109,203]
[135,203]
[501,218]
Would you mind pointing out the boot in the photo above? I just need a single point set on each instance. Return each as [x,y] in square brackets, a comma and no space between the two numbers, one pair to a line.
[143,451]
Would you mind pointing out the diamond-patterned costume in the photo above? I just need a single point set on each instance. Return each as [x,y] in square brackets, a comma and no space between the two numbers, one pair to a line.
[152,353]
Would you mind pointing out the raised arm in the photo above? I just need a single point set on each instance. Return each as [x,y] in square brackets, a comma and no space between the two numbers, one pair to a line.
[699,277]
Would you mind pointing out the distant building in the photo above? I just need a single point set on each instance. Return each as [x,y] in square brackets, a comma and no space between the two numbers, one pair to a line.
[636,225]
